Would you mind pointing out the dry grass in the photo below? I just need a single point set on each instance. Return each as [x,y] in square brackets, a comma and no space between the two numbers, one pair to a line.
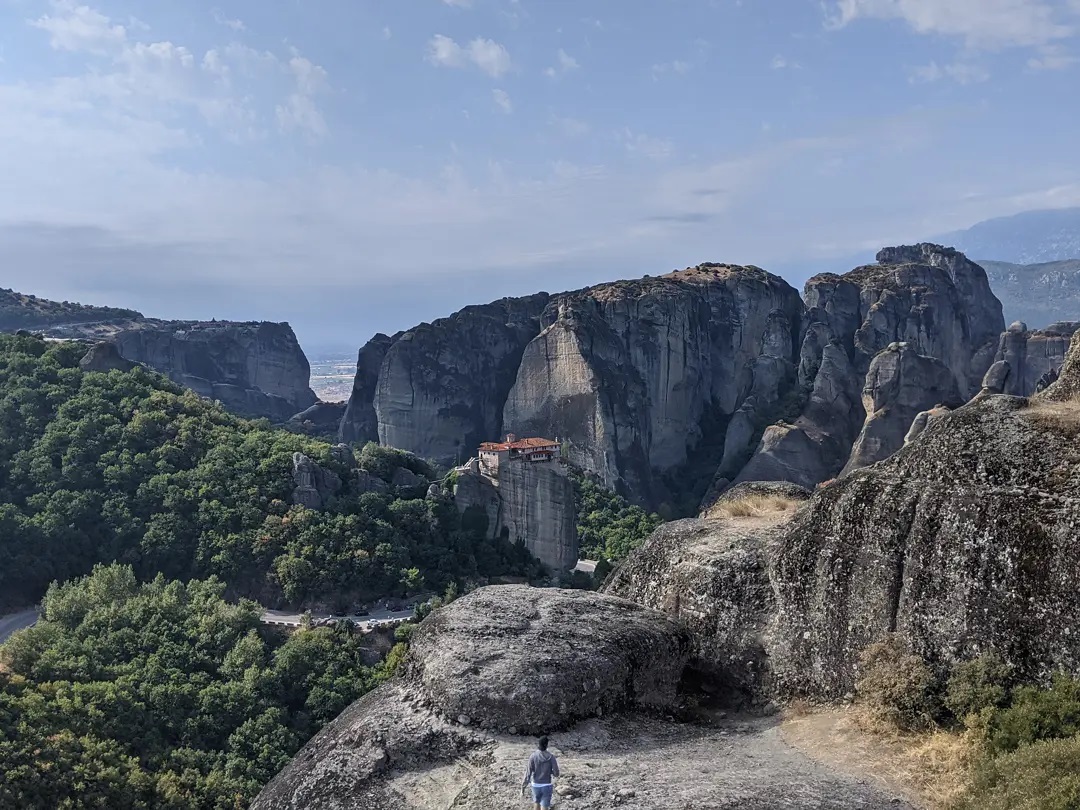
[931,769]
[754,506]
[1061,417]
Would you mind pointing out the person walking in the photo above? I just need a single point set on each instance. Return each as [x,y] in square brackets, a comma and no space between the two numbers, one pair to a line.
[538,775]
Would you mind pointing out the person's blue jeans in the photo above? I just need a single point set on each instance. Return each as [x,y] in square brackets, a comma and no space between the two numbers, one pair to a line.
[542,795]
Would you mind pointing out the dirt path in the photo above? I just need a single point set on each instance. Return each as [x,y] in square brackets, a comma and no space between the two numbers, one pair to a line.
[659,765]
[926,769]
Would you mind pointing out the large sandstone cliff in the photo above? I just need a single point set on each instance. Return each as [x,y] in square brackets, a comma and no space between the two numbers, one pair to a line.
[930,298]
[964,541]
[629,372]
[256,369]
[637,376]
[531,503]
[438,389]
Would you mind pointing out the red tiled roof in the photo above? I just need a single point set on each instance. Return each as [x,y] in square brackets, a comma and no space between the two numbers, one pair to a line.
[520,444]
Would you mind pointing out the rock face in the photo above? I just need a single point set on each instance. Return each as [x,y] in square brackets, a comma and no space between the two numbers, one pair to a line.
[549,658]
[105,357]
[900,384]
[929,297]
[962,542]
[1029,356]
[255,369]
[441,386]
[710,575]
[360,424]
[627,372]
[592,670]
[526,502]
[314,484]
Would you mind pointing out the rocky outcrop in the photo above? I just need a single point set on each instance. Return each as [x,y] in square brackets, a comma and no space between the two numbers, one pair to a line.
[774,489]
[929,297]
[315,485]
[105,357]
[962,542]
[321,419]
[255,369]
[711,576]
[550,658]
[627,372]
[1025,357]
[900,384]
[530,503]
[597,673]
[441,386]
[360,424]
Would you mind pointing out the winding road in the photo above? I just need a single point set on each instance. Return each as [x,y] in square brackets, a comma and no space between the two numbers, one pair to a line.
[16,621]
[365,623]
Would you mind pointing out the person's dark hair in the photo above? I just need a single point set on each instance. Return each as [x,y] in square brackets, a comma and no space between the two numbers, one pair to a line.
[543,743]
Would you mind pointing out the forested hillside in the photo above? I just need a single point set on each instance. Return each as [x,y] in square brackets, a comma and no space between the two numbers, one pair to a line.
[20,311]
[128,467]
[163,695]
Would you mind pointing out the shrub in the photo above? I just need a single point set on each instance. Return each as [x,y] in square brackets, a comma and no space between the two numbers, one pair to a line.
[897,685]
[754,506]
[1037,714]
[1043,776]
[978,684]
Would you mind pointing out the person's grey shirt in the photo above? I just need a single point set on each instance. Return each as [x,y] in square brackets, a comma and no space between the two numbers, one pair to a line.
[542,766]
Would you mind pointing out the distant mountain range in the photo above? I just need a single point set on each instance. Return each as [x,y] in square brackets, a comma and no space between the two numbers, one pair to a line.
[1033,237]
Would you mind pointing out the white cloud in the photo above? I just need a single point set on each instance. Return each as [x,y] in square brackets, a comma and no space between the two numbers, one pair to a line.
[646,145]
[459,3]
[780,62]
[677,67]
[502,98]
[386,32]
[1053,57]
[564,63]
[143,79]
[486,54]
[959,72]
[980,23]
[80,28]
[235,25]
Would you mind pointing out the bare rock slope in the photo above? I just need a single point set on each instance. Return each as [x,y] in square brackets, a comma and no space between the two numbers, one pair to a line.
[963,541]
[599,673]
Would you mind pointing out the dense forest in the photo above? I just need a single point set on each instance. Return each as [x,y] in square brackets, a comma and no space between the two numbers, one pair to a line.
[128,467]
[609,526]
[164,695]
[20,311]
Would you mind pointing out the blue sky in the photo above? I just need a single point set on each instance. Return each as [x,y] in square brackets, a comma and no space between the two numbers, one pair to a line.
[355,166]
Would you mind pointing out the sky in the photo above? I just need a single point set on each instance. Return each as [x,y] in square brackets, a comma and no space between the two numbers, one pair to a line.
[356,166]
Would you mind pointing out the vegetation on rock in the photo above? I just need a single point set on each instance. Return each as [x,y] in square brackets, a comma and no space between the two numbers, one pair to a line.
[20,311]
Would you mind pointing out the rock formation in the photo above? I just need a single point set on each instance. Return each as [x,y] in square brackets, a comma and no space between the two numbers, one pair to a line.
[900,384]
[255,369]
[596,672]
[636,375]
[526,502]
[1025,357]
[321,419]
[359,424]
[627,372]
[314,484]
[440,387]
[929,297]
[963,542]
[105,357]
